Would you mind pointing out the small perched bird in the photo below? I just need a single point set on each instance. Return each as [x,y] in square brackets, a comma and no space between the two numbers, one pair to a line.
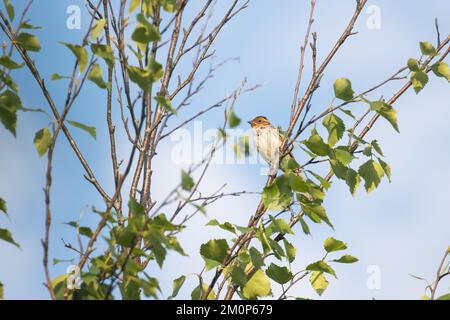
[267,140]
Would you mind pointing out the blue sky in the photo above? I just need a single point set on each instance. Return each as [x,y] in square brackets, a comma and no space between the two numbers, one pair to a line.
[402,227]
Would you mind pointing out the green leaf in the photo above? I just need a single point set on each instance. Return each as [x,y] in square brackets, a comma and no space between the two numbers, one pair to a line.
[26,25]
[371,172]
[3,207]
[145,33]
[377,147]
[169,5]
[222,134]
[200,208]
[199,291]
[367,151]
[2,291]
[244,144]
[278,195]
[413,64]
[263,239]
[6,235]
[444,297]
[29,42]
[9,104]
[126,238]
[161,222]
[257,286]
[309,153]
[105,52]
[237,150]
[289,163]
[242,148]
[343,156]
[346,258]
[348,113]
[96,76]
[59,285]
[335,127]
[315,144]
[256,257]
[156,240]
[427,49]
[277,249]
[419,79]
[165,102]
[32,110]
[441,69]
[321,266]
[318,282]
[343,89]
[417,277]
[56,76]
[98,29]
[224,226]
[280,226]
[239,277]
[176,286]
[244,257]
[290,250]
[149,286]
[9,9]
[386,111]
[134,4]
[353,180]
[136,219]
[137,54]
[323,182]
[148,6]
[136,209]
[305,227]
[315,191]
[233,119]
[91,130]
[42,141]
[7,80]
[130,289]
[386,168]
[56,261]
[80,53]
[144,78]
[316,213]
[339,170]
[214,252]
[331,244]
[84,231]
[296,182]
[278,274]
[9,63]
[187,183]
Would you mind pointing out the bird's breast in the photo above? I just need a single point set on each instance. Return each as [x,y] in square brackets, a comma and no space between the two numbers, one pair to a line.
[267,142]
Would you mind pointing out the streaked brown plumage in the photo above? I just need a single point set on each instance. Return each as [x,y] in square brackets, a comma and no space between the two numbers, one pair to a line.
[268,140]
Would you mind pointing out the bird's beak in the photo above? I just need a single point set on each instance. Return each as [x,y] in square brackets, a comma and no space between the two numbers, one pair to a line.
[249,122]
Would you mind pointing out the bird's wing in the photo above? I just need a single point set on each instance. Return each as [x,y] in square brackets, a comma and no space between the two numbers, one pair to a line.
[288,162]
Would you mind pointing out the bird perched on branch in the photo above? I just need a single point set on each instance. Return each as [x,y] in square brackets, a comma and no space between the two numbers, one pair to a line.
[268,141]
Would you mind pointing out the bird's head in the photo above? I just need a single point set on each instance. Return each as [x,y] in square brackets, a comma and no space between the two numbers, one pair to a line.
[259,121]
